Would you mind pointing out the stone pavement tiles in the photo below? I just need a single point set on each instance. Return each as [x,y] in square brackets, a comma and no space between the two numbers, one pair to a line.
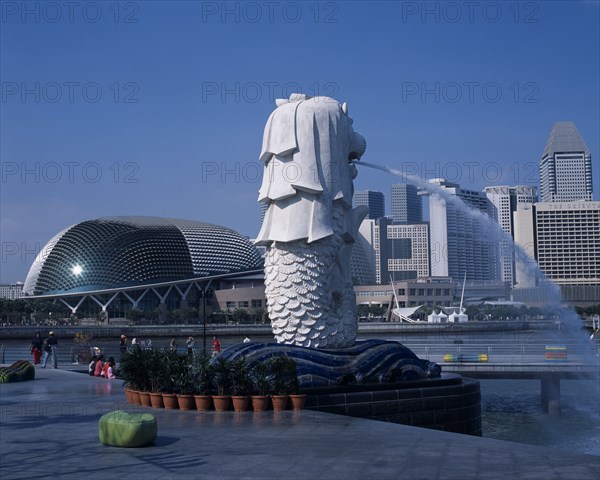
[49,429]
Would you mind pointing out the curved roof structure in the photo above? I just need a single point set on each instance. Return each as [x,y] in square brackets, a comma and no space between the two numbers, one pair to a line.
[112,252]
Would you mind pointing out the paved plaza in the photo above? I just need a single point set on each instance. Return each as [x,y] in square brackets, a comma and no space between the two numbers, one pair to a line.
[49,429]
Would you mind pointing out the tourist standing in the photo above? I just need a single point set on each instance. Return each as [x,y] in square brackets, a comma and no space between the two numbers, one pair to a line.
[36,348]
[50,349]
[123,345]
[190,343]
[216,346]
[173,345]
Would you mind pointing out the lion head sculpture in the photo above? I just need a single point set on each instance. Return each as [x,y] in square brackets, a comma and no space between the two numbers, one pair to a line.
[308,146]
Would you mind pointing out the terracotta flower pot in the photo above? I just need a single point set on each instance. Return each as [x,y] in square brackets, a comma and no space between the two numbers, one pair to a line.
[260,403]
[221,402]
[298,401]
[203,402]
[134,395]
[279,402]
[128,394]
[156,400]
[170,401]
[241,403]
[186,402]
[145,399]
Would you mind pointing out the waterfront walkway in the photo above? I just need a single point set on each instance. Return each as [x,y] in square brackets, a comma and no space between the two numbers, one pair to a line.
[49,429]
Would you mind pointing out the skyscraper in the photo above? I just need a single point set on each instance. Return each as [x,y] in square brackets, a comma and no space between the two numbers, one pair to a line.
[460,244]
[374,200]
[401,251]
[407,205]
[507,200]
[566,166]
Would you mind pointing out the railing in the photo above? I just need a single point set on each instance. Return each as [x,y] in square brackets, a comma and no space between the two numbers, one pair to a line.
[526,353]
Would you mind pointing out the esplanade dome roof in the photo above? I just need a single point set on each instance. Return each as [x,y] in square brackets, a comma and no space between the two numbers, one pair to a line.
[112,252]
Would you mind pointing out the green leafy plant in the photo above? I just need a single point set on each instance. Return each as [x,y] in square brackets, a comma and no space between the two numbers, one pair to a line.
[172,366]
[203,375]
[259,376]
[134,369]
[240,377]
[157,370]
[222,376]
[184,378]
[284,377]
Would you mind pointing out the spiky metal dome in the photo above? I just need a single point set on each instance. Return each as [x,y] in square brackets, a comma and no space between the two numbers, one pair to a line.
[113,252]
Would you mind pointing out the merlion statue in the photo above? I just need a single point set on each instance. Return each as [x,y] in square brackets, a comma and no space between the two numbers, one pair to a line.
[309,225]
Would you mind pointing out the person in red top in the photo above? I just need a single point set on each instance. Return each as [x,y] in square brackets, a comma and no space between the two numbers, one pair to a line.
[216,346]
[99,365]
[106,365]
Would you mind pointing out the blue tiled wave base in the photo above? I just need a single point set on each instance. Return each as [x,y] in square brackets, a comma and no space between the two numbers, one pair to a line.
[369,361]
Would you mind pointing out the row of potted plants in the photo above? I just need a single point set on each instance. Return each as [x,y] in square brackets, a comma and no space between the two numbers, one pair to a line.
[165,379]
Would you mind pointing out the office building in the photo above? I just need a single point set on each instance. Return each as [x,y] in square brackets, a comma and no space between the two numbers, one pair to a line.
[397,250]
[374,200]
[568,241]
[12,291]
[408,251]
[407,205]
[506,200]
[565,166]
[460,243]
[566,245]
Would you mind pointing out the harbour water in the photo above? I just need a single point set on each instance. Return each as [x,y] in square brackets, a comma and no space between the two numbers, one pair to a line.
[511,409]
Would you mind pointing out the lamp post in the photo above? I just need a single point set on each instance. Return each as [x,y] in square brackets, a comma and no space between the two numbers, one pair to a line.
[205,293]
[204,319]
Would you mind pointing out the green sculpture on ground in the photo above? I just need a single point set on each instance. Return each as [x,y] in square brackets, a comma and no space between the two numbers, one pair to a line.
[122,429]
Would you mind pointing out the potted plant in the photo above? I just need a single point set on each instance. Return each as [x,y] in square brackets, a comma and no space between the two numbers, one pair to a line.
[185,382]
[157,373]
[241,385]
[283,371]
[134,374]
[222,381]
[203,376]
[261,387]
[298,399]
[170,361]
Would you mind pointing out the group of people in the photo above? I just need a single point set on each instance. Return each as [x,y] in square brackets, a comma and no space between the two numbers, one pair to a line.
[47,347]
[98,367]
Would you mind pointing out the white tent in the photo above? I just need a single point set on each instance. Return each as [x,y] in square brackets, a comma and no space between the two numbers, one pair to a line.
[439,317]
[456,317]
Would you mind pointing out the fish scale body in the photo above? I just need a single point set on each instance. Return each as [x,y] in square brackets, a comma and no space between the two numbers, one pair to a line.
[304,306]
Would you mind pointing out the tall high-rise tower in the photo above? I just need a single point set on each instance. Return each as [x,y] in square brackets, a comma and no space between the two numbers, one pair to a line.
[407,205]
[374,200]
[566,166]
[507,200]
[459,243]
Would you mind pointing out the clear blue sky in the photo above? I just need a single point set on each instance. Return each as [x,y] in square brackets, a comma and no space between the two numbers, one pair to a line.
[157,108]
